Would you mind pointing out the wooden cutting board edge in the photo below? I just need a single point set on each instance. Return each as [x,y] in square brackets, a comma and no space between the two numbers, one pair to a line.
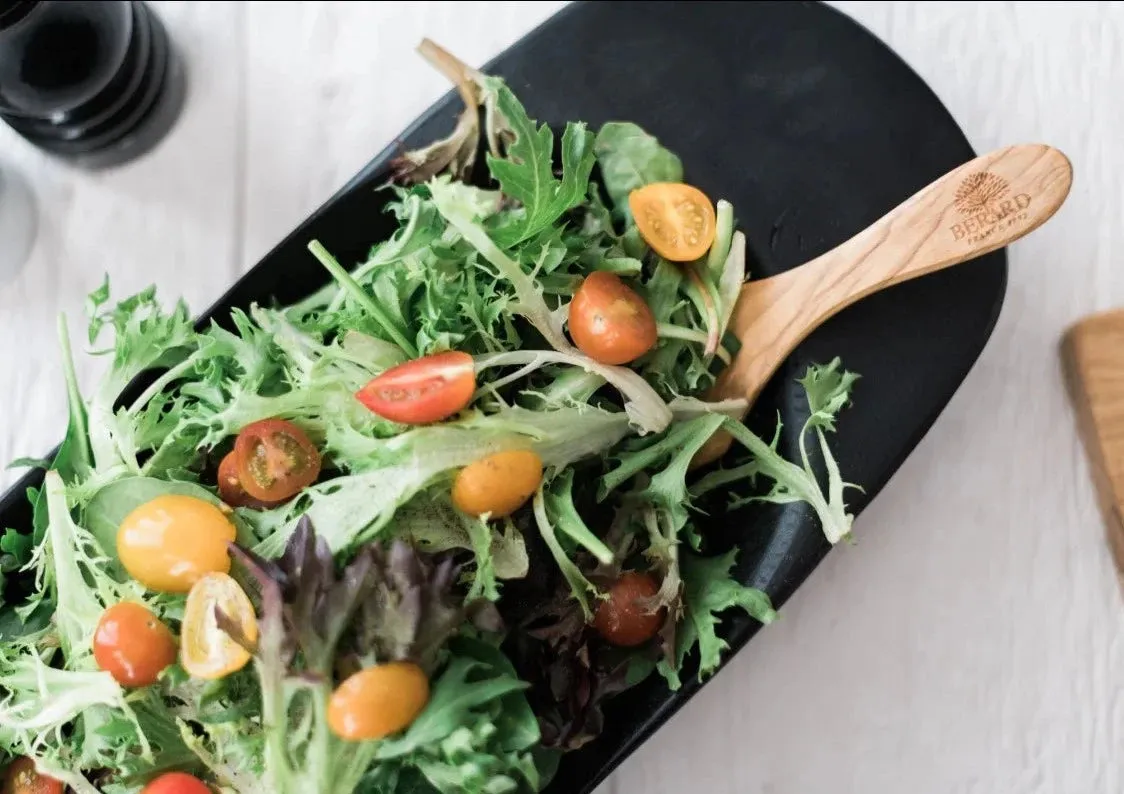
[1086,359]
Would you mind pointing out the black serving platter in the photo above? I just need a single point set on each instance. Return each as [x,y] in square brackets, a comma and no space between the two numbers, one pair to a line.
[813,129]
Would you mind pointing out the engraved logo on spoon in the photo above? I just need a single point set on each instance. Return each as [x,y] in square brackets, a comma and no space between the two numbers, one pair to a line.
[983,197]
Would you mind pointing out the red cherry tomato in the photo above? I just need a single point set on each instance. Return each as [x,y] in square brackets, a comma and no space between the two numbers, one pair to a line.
[21,778]
[275,460]
[422,391]
[133,645]
[176,783]
[609,322]
[230,487]
[621,618]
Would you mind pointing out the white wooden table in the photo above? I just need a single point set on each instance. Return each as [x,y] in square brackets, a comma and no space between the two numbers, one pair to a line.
[973,641]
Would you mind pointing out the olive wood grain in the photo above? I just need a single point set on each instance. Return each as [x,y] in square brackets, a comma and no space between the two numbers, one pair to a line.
[976,208]
[1093,361]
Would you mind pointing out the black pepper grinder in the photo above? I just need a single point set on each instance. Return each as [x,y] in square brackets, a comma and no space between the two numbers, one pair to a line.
[95,82]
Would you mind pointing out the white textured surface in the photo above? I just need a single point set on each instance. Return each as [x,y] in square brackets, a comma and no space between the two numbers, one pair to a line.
[973,641]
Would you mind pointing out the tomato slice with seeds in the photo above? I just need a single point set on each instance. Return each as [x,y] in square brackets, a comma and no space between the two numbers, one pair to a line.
[427,389]
[230,486]
[207,651]
[21,778]
[677,220]
[275,460]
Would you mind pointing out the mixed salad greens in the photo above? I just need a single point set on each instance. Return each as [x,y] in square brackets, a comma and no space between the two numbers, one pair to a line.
[410,533]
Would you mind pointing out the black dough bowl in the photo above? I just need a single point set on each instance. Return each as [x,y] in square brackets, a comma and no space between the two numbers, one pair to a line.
[813,129]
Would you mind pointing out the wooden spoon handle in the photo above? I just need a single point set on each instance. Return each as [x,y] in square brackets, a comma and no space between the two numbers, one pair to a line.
[979,207]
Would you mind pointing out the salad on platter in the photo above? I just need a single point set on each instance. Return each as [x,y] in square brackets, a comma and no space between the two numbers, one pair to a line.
[412,532]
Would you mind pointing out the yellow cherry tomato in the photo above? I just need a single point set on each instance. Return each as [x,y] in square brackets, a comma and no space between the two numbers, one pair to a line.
[677,220]
[499,484]
[378,701]
[170,542]
[206,650]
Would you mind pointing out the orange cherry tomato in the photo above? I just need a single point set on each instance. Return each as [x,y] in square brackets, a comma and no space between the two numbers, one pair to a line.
[176,783]
[230,487]
[427,389]
[378,701]
[133,645]
[621,619]
[609,322]
[168,544]
[21,778]
[274,460]
[499,484]
[677,220]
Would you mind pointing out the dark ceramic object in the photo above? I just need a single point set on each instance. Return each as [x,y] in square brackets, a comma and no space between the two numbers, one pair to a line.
[813,129]
[97,84]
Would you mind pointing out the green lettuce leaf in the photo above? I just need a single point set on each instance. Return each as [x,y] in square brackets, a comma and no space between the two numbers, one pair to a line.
[630,158]
[145,338]
[476,735]
[645,407]
[828,390]
[709,590]
[355,508]
[431,522]
[73,570]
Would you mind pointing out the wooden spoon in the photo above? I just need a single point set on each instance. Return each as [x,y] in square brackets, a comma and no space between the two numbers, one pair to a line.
[983,205]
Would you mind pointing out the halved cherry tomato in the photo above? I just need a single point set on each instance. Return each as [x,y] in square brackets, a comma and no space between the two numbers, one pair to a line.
[275,460]
[230,487]
[133,645]
[425,390]
[378,701]
[498,484]
[207,650]
[621,618]
[609,322]
[677,220]
[21,778]
[176,783]
[167,544]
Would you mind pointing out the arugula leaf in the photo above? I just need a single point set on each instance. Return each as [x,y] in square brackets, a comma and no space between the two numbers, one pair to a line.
[828,389]
[525,173]
[630,158]
[709,590]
